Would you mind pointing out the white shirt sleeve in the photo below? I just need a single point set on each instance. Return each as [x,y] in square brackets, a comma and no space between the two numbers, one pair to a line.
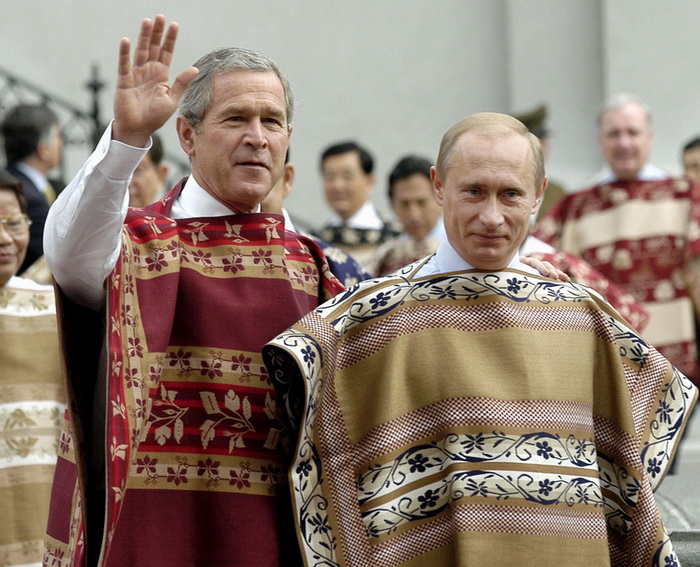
[82,235]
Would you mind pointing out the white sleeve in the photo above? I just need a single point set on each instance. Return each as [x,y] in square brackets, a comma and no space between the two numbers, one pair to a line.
[82,236]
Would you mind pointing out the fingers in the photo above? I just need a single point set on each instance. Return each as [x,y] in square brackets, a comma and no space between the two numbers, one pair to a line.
[143,45]
[124,67]
[545,268]
[148,47]
[156,36]
[554,272]
[166,52]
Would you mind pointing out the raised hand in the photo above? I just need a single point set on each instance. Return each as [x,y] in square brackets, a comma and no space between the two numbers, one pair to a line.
[144,99]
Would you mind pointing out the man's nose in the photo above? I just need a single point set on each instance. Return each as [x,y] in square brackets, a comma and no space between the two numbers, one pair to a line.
[490,213]
[5,236]
[626,140]
[255,134]
[334,182]
[413,212]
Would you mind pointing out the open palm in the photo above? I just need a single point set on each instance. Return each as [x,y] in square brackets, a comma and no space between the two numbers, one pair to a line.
[144,99]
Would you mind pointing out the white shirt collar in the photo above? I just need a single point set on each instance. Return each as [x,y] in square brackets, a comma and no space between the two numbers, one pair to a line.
[367,217]
[288,224]
[649,172]
[194,201]
[446,260]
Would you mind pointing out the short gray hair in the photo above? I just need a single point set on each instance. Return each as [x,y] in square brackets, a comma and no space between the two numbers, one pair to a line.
[623,99]
[197,98]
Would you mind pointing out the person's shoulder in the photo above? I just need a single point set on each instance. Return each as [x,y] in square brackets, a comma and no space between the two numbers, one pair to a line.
[31,191]
[340,259]
[391,229]
[19,282]
[572,203]
[17,173]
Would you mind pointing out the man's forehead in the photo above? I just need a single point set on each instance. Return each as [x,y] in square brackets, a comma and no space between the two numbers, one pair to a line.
[242,81]
[630,113]
[496,154]
[497,146]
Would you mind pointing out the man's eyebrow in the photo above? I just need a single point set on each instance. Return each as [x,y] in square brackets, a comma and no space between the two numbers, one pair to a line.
[275,111]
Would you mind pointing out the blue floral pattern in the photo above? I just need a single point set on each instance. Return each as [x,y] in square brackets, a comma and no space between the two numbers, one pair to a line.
[467,287]
[458,452]
[431,476]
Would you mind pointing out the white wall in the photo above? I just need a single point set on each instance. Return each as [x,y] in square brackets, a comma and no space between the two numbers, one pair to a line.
[555,58]
[395,74]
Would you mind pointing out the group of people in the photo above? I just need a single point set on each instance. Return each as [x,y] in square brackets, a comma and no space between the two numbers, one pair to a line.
[232,398]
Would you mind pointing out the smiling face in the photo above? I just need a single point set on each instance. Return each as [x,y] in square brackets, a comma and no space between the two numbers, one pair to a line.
[488,195]
[13,246]
[345,184]
[625,139]
[237,152]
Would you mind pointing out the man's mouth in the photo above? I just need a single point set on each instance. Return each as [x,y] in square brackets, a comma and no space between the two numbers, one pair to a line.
[489,237]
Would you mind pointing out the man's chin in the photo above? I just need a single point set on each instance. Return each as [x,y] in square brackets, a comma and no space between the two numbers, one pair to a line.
[627,172]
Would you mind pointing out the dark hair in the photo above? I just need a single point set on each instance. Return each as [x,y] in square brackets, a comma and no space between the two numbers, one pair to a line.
[366,160]
[406,167]
[7,181]
[156,151]
[24,127]
[694,143]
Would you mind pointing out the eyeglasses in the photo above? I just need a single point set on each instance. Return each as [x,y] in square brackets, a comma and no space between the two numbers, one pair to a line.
[15,224]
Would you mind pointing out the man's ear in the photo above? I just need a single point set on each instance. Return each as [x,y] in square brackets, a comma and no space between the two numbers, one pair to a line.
[41,151]
[437,185]
[288,178]
[539,196]
[185,134]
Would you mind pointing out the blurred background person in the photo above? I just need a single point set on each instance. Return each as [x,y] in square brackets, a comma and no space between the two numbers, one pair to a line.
[640,228]
[31,389]
[348,183]
[148,182]
[412,199]
[691,159]
[343,266]
[33,145]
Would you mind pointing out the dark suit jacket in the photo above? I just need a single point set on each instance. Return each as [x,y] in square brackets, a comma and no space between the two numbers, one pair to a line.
[37,209]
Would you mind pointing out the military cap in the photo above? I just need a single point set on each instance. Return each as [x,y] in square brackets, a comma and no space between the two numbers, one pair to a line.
[535,120]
